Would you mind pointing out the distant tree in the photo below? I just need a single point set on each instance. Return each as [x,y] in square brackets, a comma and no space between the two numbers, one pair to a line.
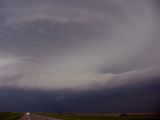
[123,115]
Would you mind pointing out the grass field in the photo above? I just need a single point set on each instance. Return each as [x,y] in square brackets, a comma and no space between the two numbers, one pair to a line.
[101,117]
[10,115]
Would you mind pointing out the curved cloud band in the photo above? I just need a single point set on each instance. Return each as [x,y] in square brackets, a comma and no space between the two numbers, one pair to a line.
[76,44]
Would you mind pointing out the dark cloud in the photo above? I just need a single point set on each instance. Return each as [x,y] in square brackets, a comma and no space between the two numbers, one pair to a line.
[142,97]
[43,36]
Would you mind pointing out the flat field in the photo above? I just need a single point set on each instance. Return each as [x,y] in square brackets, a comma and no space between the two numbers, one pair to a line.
[71,116]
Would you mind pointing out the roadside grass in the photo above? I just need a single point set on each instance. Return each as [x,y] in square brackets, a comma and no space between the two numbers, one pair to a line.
[10,115]
[98,117]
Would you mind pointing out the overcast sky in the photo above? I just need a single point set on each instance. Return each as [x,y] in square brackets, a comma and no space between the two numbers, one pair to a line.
[79,44]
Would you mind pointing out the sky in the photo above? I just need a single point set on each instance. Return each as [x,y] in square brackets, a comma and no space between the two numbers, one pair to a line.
[72,51]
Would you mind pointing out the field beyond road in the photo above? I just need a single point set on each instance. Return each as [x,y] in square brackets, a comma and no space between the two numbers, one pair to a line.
[72,116]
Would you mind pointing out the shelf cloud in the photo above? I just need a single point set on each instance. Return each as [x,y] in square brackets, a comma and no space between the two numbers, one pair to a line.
[77,44]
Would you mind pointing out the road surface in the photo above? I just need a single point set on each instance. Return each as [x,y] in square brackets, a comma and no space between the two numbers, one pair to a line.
[35,117]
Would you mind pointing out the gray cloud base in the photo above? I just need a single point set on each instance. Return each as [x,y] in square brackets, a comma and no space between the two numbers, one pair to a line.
[74,44]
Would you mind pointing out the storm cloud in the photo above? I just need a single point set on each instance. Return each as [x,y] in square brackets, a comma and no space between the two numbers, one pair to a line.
[142,97]
[78,45]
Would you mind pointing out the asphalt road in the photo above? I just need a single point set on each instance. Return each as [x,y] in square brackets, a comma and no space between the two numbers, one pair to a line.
[35,117]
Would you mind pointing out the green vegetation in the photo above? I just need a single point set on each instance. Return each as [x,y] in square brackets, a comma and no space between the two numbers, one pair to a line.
[99,117]
[10,115]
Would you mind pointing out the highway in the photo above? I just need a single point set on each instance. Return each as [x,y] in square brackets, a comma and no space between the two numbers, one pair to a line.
[29,116]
